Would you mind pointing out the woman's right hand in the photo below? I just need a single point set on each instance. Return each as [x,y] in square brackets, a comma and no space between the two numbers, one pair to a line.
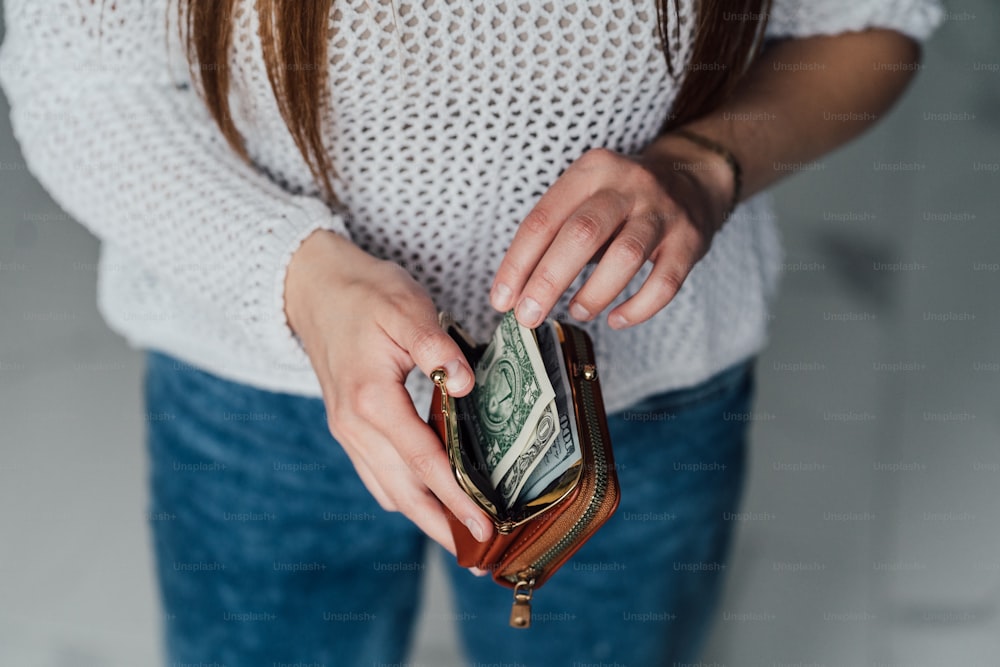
[365,324]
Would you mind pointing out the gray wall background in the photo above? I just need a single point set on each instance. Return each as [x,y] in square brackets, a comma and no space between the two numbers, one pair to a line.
[875,531]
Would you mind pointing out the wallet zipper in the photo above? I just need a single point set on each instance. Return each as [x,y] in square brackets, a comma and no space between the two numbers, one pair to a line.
[524,581]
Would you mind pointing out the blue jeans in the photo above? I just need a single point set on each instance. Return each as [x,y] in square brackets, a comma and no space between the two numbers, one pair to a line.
[269,550]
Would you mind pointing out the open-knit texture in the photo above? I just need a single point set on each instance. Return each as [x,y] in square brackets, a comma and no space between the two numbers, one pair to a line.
[449,118]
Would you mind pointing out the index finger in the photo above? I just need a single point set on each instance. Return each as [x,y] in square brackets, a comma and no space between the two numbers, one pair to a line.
[535,234]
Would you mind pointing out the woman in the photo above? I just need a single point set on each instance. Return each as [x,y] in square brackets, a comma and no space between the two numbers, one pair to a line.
[288,192]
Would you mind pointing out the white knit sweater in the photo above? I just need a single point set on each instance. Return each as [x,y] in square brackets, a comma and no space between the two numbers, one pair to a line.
[449,119]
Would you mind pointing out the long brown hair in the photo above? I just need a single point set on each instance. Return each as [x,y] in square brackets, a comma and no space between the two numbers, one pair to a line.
[294,35]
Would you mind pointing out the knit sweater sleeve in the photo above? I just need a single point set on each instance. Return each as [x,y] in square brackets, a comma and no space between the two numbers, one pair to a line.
[131,152]
[803,18]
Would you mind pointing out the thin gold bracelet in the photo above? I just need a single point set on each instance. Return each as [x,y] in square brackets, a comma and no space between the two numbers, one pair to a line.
[726,154]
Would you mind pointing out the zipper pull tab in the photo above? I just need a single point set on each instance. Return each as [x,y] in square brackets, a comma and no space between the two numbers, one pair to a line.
[520,613]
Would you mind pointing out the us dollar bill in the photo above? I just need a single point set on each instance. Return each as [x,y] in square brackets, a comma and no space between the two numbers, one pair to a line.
[565,448]
[512,400]
[545,434]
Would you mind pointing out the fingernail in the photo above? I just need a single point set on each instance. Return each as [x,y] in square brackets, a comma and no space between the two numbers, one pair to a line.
[616,321]
[458,376]
[475,529]
[479,573]
[579,312]
[501,297]
[529,312]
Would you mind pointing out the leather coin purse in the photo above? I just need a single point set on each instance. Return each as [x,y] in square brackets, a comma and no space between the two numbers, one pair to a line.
[537,535]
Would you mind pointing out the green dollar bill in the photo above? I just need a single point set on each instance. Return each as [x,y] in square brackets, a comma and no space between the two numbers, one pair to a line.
[542,438]
[511,394]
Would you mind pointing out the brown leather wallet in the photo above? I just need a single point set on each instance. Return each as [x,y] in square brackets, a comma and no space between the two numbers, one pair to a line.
[536,538]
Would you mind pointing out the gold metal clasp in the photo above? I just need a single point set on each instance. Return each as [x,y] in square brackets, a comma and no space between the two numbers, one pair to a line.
[440,378]
[505,527]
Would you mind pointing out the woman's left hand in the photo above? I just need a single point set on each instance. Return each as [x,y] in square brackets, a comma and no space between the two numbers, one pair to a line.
[663,206]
